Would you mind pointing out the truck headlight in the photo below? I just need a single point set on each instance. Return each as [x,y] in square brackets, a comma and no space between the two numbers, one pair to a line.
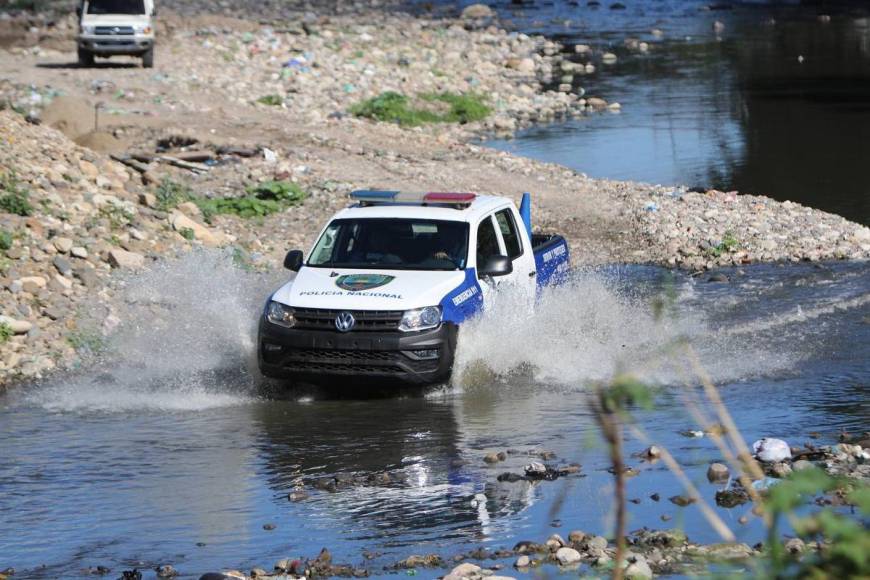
[421,318]
[280,314]
[142,29]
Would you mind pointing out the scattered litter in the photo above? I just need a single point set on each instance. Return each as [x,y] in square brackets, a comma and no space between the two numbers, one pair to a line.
[651,206]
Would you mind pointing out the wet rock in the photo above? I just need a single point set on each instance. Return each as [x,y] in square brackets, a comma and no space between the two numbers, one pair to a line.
[477,12]
[465,570]
[771,450]
[567,556]
[795,546]
[259,573]
[492,458]
[297,495]
[509,477]
[429,561]
[723,551]
[661,538]
[780,469]
[638,570]
[528,547]
[596,543]
[733,497]
[535,469]
[569,469]
[576,536]
[555,541]
[522,562]
[133,574]
[682,500]
[652,452]
[802,464]
[718,277]
[718,472]
[166,571]
[269,527]
[655,497]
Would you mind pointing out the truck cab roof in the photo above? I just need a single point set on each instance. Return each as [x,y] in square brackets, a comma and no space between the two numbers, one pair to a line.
[462,207]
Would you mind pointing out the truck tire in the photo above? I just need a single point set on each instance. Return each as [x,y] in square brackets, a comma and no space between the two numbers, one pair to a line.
[148,58]
[86,58]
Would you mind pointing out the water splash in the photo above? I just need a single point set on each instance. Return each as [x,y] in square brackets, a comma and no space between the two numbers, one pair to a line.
[185,337]
[602,323]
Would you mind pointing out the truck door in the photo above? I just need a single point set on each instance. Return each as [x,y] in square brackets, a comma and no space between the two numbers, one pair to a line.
[513,246]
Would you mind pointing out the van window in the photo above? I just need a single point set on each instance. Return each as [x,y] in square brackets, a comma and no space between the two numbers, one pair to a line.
[487,241]
[509,233]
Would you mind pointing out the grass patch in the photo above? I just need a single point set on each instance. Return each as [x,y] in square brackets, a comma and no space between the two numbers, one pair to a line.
[86,342]
[170,194]
[394,107]
[5,240]
[271,100]
[5,332]
[728,244]
[14,197]
[261,200]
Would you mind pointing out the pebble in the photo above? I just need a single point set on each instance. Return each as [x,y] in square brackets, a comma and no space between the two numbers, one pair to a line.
[718,472]
[123,259]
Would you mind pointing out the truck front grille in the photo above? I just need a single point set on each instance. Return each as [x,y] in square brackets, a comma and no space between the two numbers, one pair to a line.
[366,320]
[114,30]
[349,361]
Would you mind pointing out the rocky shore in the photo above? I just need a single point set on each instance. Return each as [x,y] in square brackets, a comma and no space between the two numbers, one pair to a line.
[114,167]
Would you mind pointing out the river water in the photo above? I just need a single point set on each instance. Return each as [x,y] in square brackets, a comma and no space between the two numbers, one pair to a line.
[168,451]
[777,103]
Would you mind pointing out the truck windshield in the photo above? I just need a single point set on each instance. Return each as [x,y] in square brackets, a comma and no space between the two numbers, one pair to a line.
[116,7]
[396,244]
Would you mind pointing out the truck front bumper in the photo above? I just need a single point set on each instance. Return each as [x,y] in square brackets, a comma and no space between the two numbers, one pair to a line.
[116,45]
[324,357]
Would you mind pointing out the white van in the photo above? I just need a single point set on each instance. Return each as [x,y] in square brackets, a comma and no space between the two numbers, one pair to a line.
[116,27]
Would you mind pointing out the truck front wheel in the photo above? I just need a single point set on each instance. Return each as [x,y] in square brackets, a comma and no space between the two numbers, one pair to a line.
[148,58]
[86,58]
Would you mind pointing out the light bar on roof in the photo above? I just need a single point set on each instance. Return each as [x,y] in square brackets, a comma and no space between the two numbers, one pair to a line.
[368,196]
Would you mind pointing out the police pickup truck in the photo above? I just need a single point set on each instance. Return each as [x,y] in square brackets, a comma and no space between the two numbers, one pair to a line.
[388,283]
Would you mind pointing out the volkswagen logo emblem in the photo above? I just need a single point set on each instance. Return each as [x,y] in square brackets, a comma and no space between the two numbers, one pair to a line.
[344,322]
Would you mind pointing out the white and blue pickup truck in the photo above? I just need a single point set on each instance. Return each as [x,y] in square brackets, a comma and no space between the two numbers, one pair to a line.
[390,280]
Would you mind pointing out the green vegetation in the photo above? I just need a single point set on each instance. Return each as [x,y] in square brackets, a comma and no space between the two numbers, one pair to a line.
[271,100]
[117,215]
[261,200]
[171,193]
[397,108]
[5,332]
[728,244]
[85,341]
[5,240]
[845,551]
[14,197]
[188,234]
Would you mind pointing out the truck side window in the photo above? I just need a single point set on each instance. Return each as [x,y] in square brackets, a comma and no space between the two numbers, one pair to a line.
[509,233]
[487,241]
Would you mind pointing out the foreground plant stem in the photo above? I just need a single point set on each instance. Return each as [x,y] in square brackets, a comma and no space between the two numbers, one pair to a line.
[611,428]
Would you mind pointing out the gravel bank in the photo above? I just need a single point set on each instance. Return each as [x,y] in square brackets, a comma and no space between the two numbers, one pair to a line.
[91,215]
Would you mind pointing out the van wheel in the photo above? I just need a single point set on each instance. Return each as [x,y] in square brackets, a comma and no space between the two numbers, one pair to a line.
[148,58]
[86,58]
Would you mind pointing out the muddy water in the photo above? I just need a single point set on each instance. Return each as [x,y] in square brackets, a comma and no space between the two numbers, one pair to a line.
[141,461]
[776,103]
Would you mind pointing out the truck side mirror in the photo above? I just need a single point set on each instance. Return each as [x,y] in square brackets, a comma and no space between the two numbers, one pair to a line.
[154,11]
[293,260]
[79,11]
[496,266]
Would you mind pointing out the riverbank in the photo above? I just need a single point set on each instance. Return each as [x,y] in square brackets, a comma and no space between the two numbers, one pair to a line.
[234,106]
